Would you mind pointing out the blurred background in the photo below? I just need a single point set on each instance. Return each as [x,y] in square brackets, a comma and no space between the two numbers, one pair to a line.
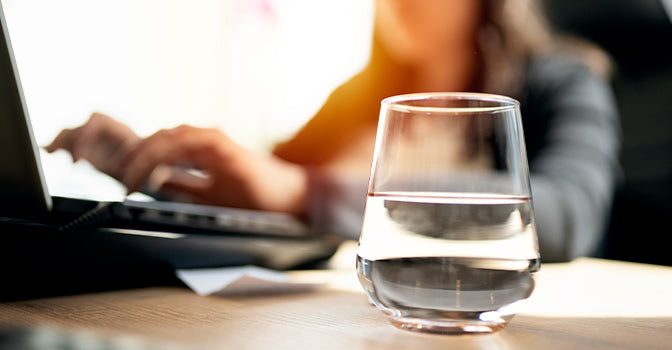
[257,69]
[638,36]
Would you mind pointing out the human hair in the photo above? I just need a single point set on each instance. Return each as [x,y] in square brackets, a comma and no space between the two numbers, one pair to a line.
[514,30]
[509,33]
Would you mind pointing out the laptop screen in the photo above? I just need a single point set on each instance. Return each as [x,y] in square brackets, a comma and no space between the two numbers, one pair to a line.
[23,187]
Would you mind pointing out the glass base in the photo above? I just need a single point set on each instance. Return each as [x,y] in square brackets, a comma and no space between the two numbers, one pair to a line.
[446,326]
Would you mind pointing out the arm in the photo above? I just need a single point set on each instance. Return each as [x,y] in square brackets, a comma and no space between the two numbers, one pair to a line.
[572,135]
[336,202]
[230,175]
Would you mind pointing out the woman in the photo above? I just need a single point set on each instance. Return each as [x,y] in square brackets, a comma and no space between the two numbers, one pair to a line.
[497,46]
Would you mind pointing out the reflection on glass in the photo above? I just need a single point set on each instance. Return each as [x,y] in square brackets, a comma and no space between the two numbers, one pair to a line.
[448,242]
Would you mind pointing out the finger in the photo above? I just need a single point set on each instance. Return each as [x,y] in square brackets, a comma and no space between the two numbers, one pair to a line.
[62,141]
[137,174]
[91,137]
[197,147]
[140,163]
[195,188]
[77,140]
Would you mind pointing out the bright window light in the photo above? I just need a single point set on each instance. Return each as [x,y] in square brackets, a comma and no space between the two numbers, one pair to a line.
[257,69]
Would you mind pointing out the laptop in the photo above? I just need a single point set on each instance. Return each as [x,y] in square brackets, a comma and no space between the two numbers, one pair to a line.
[181,234]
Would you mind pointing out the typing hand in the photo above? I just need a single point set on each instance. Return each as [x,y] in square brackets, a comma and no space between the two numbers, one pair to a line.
[102,141]
[228,174]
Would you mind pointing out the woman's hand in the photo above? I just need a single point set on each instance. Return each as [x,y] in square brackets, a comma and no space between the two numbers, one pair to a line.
[102,141]
[231,175]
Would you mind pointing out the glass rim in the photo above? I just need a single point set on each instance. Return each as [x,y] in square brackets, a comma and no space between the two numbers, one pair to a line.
[397,102]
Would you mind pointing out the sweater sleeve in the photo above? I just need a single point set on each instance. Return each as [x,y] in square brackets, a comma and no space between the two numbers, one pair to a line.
[336,203]
[573,137]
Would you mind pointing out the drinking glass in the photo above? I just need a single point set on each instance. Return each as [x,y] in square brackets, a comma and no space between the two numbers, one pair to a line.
[448,242]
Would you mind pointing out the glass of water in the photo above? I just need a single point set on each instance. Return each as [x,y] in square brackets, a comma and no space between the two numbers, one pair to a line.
[448,243]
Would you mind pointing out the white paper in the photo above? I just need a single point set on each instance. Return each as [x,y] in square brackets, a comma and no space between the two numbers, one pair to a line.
[241,280]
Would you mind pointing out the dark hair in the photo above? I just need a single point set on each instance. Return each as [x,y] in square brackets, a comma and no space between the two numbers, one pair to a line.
[514,30]
[510,32]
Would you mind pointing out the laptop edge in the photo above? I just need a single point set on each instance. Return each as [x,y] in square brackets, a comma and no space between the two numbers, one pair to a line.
[24,190]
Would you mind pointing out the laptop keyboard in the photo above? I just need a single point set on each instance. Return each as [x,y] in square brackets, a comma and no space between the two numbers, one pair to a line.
[177,217]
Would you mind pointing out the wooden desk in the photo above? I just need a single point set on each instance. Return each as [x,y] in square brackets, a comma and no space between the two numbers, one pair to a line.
[586,304]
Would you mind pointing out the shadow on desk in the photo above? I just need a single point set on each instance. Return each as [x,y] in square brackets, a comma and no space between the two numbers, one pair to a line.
[37,265]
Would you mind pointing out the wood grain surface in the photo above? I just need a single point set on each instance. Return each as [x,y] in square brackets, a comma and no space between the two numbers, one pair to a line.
[324,319]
